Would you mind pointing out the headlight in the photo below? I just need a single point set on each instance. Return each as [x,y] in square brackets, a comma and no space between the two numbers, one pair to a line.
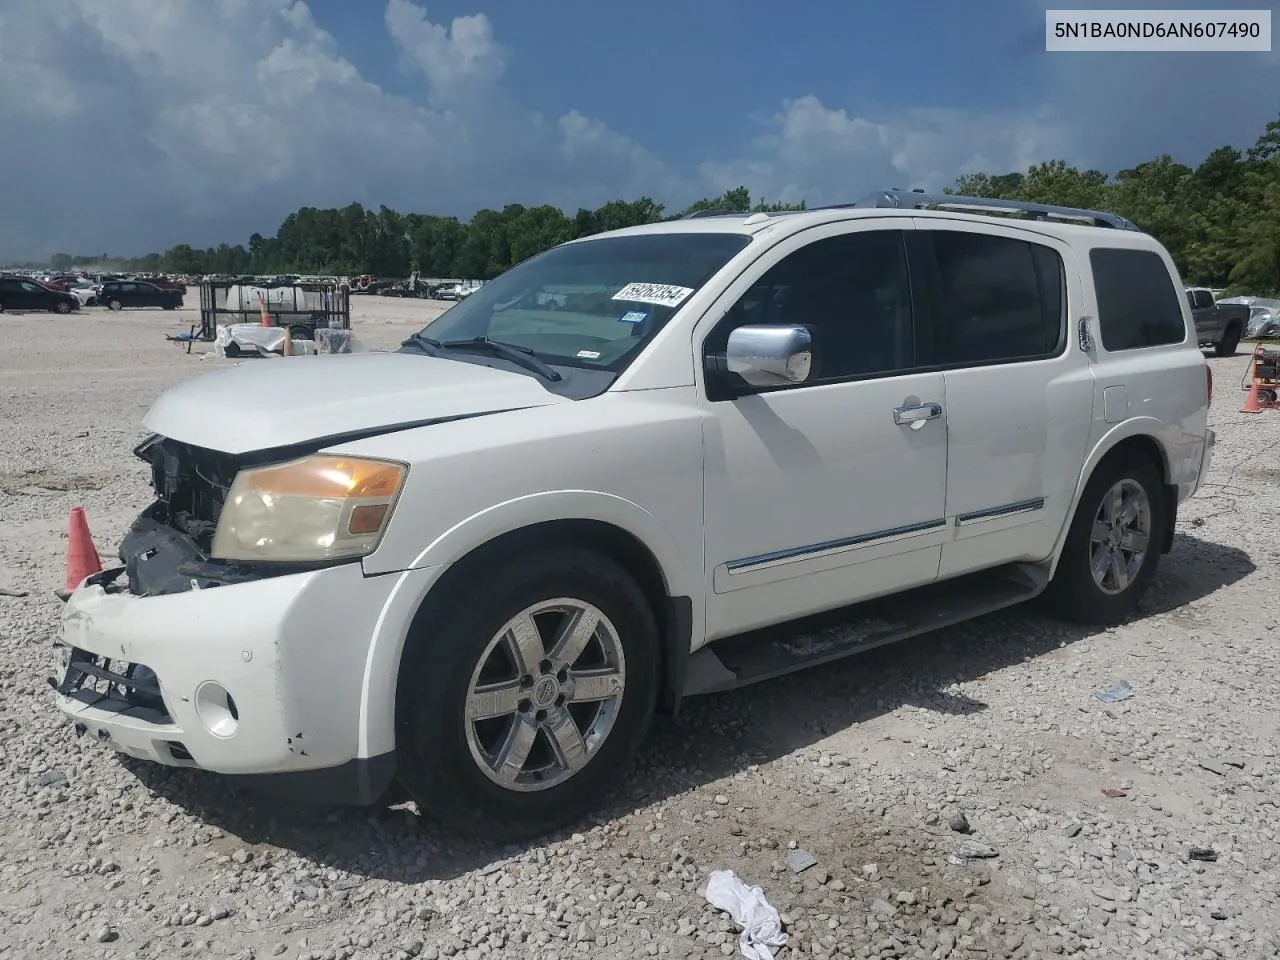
[317,508]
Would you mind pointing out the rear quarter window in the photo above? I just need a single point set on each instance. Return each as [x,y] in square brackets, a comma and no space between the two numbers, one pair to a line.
[1139,304]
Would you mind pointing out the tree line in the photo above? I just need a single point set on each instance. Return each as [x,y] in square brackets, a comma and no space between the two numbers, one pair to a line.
[1219,220]
[386,243]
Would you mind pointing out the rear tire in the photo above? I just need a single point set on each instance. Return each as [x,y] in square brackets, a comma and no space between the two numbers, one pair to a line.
[1116,529]
[114,305]
[555,727]
[1226,347]
[62,307]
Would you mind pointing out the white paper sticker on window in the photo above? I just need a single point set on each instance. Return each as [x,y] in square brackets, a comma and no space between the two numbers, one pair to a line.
[589,354]
[659,294]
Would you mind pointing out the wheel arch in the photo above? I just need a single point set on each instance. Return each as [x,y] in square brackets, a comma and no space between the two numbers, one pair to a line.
[671,609]
[468,548]
[1137,436]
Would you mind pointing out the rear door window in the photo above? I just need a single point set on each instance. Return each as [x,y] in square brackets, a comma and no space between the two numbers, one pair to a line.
[999,299]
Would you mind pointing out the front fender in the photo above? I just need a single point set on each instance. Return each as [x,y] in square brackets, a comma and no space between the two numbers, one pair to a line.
[475,531]
[377,713]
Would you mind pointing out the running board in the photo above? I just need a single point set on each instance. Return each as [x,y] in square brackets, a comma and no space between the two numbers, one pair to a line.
[749,658]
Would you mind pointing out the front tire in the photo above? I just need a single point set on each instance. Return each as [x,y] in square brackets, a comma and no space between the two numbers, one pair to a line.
[114,305]
[1113,546]
[524,692]
[62,307]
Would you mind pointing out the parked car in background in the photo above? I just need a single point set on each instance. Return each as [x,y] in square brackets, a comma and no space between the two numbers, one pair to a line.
[86,292]
[23,293]
[118,294]
[1218,325]
[1264,316]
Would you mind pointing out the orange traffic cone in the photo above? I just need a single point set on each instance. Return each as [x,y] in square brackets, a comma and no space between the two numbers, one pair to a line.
[82,555]
[266,316]
[1251,404]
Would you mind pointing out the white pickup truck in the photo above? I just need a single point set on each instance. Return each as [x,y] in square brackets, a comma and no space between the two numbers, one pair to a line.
[618,475]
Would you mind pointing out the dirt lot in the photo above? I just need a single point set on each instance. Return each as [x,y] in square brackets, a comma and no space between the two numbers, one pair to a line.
[863,764]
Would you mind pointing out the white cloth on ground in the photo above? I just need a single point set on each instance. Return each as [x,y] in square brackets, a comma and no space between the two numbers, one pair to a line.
[762,931]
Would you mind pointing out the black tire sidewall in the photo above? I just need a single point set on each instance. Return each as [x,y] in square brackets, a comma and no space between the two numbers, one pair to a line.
[434,760]
[114,305]
[1226,347]
[1073,593]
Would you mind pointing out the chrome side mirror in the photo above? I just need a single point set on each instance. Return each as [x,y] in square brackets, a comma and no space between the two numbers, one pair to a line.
[766,355]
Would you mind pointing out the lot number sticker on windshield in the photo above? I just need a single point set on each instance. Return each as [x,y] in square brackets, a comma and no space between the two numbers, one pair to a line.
[659,294]
[634,316]
[589,354]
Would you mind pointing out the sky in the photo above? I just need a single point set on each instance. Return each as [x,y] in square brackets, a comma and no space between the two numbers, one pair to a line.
[127,126]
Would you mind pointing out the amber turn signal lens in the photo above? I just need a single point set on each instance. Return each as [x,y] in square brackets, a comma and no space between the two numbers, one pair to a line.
[367,518]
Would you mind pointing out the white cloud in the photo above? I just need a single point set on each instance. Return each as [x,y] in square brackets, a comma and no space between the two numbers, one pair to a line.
[130,125]
[823,155]
[453,58]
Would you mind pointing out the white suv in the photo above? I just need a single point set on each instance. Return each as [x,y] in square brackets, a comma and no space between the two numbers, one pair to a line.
[617,475]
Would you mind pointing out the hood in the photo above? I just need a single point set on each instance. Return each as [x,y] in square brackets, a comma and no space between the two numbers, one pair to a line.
[268,403]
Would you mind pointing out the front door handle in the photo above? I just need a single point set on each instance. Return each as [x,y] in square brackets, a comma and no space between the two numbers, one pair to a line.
[917,414]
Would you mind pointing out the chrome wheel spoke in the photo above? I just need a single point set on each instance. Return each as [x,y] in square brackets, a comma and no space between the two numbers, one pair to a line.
[1115,503]
[1129,511]
[592,685]
[1101,531]
[573,638]
[1101,564]
[1119,570]
[1134,541]
[515,748]
[566,739]
[527,649]
[494,700]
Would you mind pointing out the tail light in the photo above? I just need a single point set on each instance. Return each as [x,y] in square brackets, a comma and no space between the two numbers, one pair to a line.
[1208,379]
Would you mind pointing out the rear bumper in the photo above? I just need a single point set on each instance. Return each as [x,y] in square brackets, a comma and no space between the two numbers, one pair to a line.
[1206,459]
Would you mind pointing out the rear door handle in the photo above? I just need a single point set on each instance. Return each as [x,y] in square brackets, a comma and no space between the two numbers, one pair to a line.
[917,414]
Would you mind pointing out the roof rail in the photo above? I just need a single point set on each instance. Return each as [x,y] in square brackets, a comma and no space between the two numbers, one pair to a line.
[918,200]
[698,214]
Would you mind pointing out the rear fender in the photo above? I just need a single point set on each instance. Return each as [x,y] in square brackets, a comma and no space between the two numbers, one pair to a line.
[1146,427]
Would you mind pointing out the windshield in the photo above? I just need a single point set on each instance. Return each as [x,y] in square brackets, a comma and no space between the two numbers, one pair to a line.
[592,304]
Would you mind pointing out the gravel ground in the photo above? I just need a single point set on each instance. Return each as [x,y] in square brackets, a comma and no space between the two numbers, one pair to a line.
[1090,809]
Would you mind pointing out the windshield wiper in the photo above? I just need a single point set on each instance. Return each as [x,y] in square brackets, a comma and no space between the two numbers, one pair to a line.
[419,340]
[522,356]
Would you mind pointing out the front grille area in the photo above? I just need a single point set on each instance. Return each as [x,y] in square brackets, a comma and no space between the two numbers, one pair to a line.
[191,484]
[118,686]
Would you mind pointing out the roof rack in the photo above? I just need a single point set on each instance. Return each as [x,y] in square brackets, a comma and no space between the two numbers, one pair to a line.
[919,200]
[699,214]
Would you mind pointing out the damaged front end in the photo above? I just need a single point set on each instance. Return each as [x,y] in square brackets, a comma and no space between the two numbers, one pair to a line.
[166,550]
